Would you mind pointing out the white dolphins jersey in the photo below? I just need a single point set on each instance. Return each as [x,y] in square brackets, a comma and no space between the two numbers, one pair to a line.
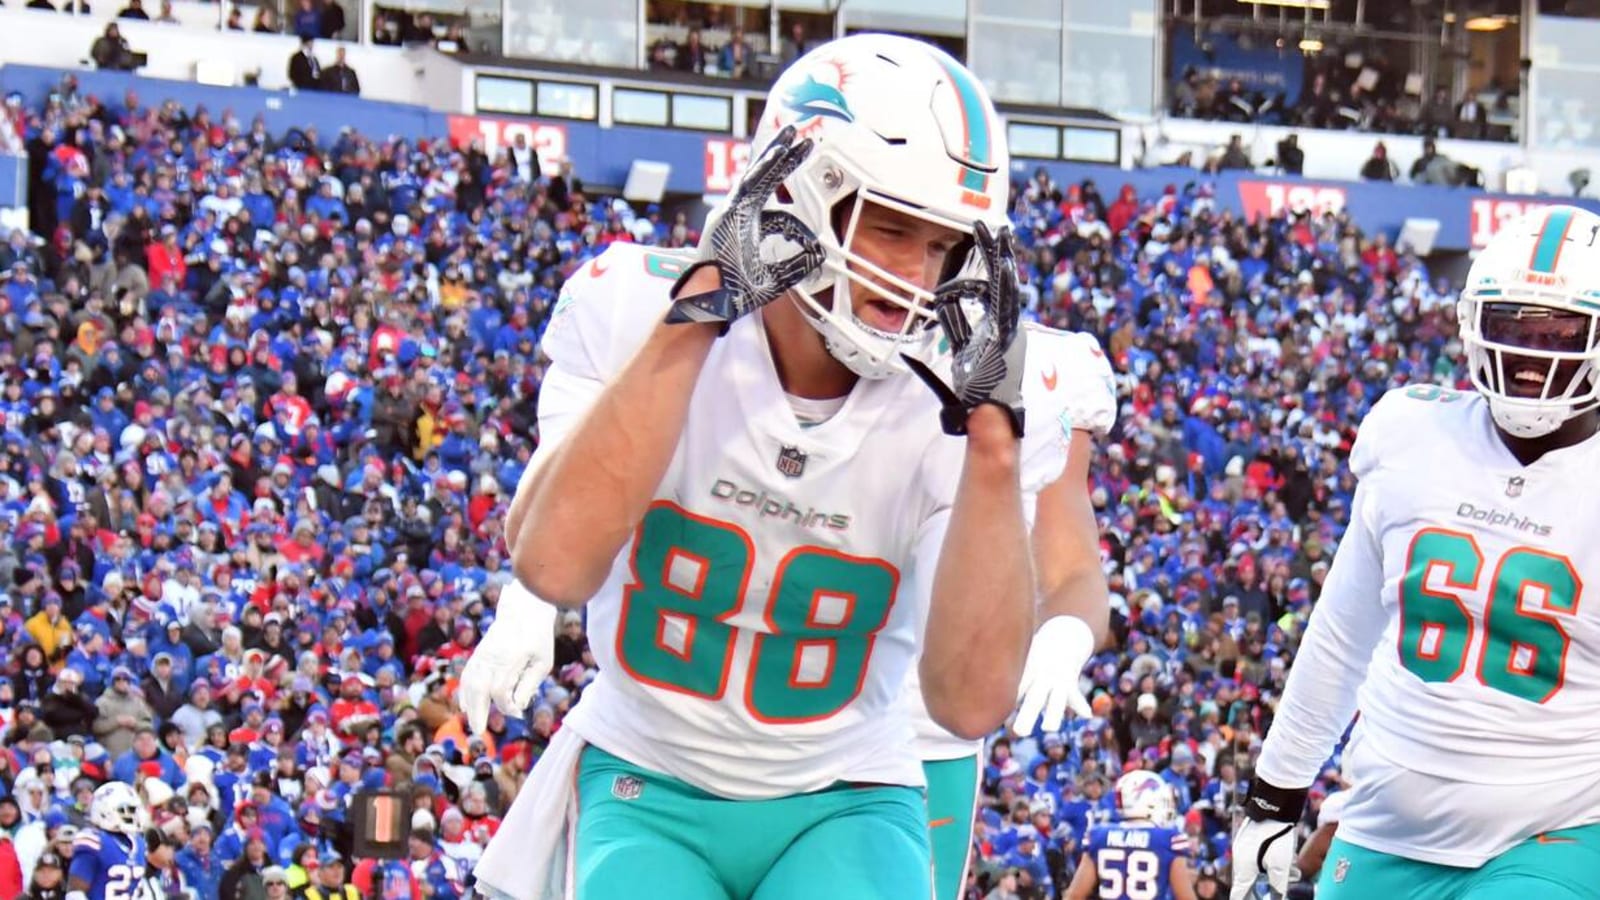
[754,635]
[1077,368]
[1456,603]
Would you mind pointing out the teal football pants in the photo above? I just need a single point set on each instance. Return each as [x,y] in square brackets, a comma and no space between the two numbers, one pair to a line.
[1556,865]
[644,834]
[952,806]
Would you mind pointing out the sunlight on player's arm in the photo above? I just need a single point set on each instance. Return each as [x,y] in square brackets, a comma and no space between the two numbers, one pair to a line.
[1085,881]
[1066,545]
[574,513]
[980,616]
[1182,879]
[1348,621]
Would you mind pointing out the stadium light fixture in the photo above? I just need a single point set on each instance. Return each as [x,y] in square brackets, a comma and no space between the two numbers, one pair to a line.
[1311,45]
[1486,23]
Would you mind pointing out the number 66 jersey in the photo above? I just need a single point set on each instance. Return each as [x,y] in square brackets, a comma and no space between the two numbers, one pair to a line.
[754,636]
[1459,594]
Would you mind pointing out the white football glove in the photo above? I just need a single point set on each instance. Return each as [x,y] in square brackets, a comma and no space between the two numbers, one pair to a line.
[1060,648]
[1264,844]
[513,658]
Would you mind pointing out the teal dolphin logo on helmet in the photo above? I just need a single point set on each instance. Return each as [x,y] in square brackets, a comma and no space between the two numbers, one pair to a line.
[812,99]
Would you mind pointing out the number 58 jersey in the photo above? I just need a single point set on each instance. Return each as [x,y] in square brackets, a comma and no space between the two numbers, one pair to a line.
[1461,588]
[1134,860]
[754,635]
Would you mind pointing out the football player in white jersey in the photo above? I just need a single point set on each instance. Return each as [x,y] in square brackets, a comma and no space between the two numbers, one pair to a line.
[1073,614]
[772,518]
[1454,613]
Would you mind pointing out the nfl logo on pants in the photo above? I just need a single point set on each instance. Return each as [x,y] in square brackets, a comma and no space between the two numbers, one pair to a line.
[791,461]
[627,787]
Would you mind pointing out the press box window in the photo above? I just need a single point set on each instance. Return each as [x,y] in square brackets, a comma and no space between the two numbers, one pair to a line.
[634,107]
[562,100]
[505,95]
[702,113]
[1034,141]
[1101,145]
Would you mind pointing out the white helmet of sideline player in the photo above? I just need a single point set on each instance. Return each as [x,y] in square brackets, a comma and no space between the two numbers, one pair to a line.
[115,807]
[1144,795]
[1530,320]
[895,122]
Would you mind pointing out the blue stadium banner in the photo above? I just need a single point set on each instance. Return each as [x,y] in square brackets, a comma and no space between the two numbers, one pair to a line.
[1467,218]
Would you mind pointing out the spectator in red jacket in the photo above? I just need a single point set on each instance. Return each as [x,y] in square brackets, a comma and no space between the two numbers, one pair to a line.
[164,259]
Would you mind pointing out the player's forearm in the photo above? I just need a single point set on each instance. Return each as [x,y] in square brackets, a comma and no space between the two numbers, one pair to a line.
[1066,546]
[1317,706]
[1082,595]
[574,513]
[981,613]
[1084,881]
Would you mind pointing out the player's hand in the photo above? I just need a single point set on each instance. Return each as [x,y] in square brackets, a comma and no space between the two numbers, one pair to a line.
[733,241]
[513,658]
[987,357]
[1264,844]
[1060,648]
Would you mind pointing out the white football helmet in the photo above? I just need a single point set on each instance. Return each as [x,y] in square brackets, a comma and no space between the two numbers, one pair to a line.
[895,122]
[116,808]
[1530,314]
[1144,795]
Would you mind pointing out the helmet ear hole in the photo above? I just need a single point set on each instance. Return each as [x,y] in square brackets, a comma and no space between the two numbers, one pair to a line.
[783,196]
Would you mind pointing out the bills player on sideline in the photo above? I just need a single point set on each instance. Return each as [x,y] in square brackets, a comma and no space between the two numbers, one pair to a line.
[108,858]
[743,496]
[1144,855]
[1454,613]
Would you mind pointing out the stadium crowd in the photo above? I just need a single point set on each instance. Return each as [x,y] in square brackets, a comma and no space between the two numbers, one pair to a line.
[1371,96]
[266,397]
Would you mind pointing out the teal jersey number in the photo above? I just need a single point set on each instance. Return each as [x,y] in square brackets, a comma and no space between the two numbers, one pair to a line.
[1525,642]
[691,575]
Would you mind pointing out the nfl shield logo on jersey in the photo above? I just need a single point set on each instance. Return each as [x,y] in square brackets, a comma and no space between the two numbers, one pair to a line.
[627,787]
[1514,486]
[791,461]
[1341,869]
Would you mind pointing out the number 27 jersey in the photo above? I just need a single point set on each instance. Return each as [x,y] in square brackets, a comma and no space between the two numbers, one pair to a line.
[111,864]
[754,635]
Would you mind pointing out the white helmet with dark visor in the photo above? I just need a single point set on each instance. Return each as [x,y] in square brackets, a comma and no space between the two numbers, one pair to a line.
[1530,320]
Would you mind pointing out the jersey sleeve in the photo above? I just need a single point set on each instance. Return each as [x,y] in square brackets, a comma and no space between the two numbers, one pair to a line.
[1332,809]
[1086,382]
[1179,845]
[85,865]
[1067,386]
[1346,624]
[605,311]
[1378,428]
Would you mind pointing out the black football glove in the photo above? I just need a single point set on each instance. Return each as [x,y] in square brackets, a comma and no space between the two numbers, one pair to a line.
[732,242]
[986,363]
